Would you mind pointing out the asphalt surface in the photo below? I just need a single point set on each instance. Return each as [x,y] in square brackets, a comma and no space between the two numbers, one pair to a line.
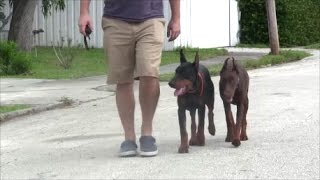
[81,141]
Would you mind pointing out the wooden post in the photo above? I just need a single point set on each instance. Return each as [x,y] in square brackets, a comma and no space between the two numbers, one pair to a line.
[272,27]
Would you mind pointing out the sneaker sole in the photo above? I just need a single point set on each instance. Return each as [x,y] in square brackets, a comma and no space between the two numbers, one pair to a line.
[148,154]
[128,154]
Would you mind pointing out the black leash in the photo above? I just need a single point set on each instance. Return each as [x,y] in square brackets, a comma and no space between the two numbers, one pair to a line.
[88,32]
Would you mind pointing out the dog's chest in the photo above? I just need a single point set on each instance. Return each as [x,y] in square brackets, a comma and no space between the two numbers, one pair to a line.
[191,101]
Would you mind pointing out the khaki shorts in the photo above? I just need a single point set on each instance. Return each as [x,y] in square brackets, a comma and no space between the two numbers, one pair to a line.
[133,49]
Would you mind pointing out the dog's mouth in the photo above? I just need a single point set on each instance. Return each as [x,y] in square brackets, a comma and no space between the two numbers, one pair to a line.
[180,91]
[183,90]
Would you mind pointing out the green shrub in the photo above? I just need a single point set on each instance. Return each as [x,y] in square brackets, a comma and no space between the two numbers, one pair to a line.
[298,22]
[13,61]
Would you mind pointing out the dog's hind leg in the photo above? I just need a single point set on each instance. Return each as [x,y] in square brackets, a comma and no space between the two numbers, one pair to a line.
[184,146]
[243,136]
[229,121]
[193,140]
[200,133]
[211,126]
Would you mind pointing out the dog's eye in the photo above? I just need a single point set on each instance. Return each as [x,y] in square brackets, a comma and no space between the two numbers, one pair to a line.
[178,71]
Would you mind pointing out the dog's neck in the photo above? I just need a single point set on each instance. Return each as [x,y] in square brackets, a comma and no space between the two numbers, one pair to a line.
[199,84]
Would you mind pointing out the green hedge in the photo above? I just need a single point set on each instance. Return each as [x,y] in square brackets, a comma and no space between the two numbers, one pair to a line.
[13,61]
[298,22]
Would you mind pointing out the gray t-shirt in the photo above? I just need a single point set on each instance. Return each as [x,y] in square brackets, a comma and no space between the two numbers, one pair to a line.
[133,10]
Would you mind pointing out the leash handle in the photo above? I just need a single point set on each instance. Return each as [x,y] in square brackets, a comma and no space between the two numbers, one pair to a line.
[88,31]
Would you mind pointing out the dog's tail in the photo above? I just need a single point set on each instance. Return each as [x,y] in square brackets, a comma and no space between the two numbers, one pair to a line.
[182,56]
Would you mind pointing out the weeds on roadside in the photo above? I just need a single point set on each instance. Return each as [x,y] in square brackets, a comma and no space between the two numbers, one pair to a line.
[67,101]
[65,55]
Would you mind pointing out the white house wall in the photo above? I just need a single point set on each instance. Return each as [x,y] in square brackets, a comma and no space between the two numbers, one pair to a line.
[204,24]
[234,23]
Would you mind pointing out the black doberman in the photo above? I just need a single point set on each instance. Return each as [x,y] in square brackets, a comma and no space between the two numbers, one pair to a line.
[234,86]
[195,90]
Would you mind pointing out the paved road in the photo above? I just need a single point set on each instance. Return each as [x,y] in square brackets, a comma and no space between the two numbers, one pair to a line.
[82,141]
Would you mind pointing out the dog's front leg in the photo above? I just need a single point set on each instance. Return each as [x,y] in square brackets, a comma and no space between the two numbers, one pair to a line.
[184,146]
[237,130]
[193,140]
[229,121]
[200,133]
[243,135]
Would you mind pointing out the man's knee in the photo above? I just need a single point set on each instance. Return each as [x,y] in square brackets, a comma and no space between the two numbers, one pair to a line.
[124,86]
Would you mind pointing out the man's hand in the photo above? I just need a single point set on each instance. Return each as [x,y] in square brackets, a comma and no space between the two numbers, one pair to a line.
[173,30]
[84,20]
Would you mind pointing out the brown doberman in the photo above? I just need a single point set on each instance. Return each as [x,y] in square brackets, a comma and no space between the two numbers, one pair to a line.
[234,86]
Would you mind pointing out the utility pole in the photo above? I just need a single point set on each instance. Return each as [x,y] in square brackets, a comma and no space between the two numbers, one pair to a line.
[272,26]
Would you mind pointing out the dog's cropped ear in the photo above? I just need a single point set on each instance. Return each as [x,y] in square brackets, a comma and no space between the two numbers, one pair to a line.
[196,60]
[225,65]
[182,57]
[234,68]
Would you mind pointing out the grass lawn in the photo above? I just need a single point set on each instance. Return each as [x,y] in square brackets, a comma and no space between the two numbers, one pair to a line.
[313,46]
[252,45]
[283,57]
[90,63]
[9,108]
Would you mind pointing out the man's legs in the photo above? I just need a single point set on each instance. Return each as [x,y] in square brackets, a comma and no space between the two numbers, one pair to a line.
[126,105]
[149,36]
[149,92]
[120,46]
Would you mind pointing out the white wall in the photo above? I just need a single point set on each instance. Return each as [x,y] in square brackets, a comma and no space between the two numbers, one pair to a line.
[204,24]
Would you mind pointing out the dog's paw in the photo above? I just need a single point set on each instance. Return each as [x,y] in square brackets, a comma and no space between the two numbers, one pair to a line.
[183,149]
[236,142]
[201,141]
[229,138]
[212,130]
[243,137]
[193,141]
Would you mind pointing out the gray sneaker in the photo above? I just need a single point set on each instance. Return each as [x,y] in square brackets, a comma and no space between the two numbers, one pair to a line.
[148,146]
[128,148]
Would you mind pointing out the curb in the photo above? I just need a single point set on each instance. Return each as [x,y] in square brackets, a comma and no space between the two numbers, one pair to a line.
[10,115]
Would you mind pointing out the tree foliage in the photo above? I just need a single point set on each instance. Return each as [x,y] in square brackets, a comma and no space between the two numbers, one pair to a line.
[298,22]
[48,5]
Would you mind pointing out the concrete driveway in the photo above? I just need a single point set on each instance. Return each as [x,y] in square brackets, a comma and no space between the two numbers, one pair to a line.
[81,142]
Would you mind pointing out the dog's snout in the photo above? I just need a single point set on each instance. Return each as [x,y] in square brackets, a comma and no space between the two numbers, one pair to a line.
[171,84]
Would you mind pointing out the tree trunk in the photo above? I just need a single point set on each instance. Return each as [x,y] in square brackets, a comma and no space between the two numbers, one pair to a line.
[21,23]
[272,27]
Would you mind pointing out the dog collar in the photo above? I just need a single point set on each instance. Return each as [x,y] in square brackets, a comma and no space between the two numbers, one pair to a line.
[200,75]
